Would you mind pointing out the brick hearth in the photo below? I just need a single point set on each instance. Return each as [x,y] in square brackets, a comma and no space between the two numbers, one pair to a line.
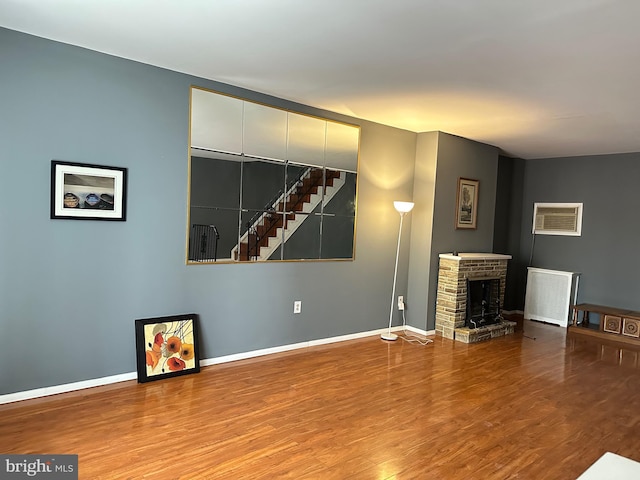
[451,305]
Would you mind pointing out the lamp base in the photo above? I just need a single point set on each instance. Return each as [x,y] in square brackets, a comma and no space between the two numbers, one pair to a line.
[389,336]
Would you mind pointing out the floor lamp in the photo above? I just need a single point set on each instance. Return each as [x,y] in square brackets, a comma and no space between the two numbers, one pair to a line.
[403,208]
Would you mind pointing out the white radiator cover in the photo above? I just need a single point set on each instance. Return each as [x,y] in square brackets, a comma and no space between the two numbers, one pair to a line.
[549,295]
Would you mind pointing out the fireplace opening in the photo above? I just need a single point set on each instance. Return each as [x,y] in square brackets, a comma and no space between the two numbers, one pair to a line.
[483,302]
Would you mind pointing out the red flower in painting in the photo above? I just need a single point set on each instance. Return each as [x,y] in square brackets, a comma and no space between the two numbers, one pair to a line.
[158,340]
[175,364]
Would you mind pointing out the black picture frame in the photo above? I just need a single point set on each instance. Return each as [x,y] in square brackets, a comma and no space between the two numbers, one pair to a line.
[167,347]
[467,203]
[81,191]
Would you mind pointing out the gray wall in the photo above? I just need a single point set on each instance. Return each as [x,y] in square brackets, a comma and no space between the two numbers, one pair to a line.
[71,290]
[606,254]
[460,157]
[506,231]
[388,178]
[424,185]
[440,160]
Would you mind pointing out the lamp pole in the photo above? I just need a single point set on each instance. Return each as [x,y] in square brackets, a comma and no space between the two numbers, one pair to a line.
[403,208]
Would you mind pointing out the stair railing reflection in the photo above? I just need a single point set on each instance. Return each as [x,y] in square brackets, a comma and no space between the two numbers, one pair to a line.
[204,243]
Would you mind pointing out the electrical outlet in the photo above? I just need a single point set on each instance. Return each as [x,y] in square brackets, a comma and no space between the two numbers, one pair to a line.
[400,302]
[297,306]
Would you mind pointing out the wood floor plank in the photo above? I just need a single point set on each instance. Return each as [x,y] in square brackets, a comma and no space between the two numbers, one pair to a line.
[534,405]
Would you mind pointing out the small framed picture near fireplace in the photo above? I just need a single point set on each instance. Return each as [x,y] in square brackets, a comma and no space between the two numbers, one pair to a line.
[467,203]
[81,191]
[167,347]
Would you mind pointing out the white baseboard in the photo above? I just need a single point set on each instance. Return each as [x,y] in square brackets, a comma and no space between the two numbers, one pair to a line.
[67,387]
[97,382]
[426,333]
[294,346]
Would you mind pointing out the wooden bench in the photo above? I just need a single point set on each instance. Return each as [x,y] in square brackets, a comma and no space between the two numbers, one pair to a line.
[616,324]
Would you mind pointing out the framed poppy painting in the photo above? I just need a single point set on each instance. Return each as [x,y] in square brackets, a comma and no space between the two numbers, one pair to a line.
[167,347]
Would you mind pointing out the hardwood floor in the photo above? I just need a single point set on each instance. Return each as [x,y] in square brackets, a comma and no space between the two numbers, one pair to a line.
[533,405]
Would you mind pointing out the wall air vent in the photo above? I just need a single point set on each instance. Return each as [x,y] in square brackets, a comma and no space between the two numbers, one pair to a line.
[557,219]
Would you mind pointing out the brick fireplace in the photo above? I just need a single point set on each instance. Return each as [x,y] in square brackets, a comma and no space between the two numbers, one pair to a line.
[454,275]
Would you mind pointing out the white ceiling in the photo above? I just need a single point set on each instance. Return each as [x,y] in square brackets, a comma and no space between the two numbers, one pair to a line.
[537,78]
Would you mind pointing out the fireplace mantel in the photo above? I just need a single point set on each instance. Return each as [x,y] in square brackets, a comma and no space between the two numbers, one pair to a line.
[475,256]
[454,273]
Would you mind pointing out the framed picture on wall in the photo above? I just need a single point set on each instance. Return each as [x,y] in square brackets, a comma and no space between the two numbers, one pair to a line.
[167,347]
[467,203]
[88,192]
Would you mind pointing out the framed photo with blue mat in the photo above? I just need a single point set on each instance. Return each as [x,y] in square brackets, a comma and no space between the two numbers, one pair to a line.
[167,347]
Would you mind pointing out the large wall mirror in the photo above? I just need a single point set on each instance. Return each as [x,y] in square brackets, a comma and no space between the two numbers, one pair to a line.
[268,184]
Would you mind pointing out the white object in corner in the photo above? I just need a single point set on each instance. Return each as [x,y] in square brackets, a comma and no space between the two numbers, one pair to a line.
[611,466]
[549,295]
